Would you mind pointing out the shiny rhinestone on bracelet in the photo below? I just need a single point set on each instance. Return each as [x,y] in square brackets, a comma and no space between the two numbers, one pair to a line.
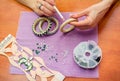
[50,32]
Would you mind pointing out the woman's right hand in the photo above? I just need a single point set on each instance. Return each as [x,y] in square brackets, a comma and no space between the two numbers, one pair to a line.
[41,7]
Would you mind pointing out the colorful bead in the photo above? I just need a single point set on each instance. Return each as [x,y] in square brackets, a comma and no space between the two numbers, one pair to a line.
[26,62]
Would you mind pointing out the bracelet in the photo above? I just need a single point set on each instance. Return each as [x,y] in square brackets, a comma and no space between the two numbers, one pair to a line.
[41,27]
[65,23]
[41,32]
[48,30]
[53,20]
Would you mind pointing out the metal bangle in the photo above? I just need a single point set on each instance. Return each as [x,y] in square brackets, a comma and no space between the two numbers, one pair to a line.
[62,29]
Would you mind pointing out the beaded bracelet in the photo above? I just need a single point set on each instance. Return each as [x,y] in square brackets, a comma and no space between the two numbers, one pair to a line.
[65,23]
[41,27]
[47,31]
[41,32]
[50,32]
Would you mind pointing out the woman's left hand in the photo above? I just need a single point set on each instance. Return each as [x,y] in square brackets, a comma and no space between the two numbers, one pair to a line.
[93,15]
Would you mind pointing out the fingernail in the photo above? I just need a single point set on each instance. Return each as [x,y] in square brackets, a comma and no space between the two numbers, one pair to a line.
[52,2]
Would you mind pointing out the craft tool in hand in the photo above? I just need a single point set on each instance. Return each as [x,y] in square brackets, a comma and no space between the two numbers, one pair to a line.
[61,16]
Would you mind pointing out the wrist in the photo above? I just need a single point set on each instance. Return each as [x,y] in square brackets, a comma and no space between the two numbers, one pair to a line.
[26,2]
[108,2]
[105,4]
[102,6]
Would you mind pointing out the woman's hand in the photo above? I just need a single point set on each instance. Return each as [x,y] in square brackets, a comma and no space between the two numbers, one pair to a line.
[41,7]
[93,15]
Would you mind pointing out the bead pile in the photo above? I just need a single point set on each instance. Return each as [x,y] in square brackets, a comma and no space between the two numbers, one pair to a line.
[40,48]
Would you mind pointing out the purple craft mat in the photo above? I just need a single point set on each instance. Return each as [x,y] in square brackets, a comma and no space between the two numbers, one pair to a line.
[58,43]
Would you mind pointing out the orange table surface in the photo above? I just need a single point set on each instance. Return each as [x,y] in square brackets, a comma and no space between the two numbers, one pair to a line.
[108,37]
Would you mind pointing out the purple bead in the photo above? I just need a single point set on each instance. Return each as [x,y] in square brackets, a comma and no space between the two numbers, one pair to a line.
[87,53]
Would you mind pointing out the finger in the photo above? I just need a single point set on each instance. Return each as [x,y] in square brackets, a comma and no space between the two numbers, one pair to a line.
[82,13]
[84,27]
[84,22]
[47,11]
[48,6]
[52,2]
[40,13]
